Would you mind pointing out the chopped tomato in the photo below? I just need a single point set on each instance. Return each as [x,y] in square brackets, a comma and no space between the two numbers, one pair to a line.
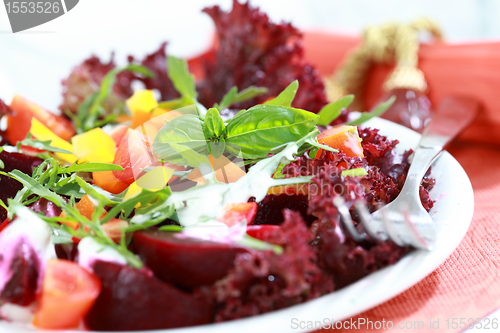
[344,138]
[133,154]
[86,207]
[18,124]
[68,293]
[118,133]
[4,224]
[107,181]
[113,229]
[262,231]
[235,213]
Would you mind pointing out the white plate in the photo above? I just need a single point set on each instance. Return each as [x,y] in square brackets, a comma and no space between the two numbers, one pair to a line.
[452,214]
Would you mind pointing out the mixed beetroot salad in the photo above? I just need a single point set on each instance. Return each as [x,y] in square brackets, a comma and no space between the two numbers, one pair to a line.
[205,197]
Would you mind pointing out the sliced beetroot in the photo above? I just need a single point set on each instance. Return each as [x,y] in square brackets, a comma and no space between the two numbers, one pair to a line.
[185,262]
[131,300]
[270,209]
[9,186]
[45,207]
[25,267]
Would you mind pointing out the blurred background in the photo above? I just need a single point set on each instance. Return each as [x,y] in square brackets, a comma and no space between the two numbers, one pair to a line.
[33,62]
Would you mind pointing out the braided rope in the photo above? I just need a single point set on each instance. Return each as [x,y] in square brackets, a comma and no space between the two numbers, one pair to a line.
[385,44]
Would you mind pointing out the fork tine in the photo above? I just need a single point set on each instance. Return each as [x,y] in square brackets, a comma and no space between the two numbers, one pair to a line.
[366,219]
[414,232]
[346,219]
[391,231]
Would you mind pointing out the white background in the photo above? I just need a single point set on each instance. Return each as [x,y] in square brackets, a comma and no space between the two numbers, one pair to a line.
[32,63]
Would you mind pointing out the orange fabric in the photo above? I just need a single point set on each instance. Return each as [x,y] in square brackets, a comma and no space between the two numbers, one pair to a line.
[467,285]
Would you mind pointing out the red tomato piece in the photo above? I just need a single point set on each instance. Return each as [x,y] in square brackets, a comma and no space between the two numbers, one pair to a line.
[68,293]
[19,123]
[113,229]
[235,213]
[262,231]
[118,133]
[133,154]
[345,138]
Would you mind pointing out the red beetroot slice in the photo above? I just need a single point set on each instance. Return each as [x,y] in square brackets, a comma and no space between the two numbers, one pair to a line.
[130,300]
[9,186]
[21,288]
[270,209]
[185,262]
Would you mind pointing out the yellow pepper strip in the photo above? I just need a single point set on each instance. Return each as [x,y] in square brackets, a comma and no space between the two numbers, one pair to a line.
[154,180]
[94,146]
[158,118]
[141,104]
[225,171]
[42,133]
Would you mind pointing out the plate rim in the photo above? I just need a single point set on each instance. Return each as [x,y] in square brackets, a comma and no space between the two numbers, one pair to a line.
[271,319]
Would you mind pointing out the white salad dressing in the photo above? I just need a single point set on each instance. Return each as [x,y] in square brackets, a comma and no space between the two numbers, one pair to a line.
[35,233]
[198,207]
[89,251]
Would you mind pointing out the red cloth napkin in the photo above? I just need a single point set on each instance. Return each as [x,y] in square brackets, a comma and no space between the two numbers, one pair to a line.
[467,285]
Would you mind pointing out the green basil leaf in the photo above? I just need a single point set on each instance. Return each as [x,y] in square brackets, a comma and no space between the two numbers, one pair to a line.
[233,96]
[214,125]
[261,128]
[90,167]
[378,111]
[216,149]
[187,133]
[183,81]
[331,111]
[285,98]
[228,98]
[249,93]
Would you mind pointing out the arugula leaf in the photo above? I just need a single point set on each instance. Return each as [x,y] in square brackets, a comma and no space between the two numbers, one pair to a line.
[285,98]
[358,172]
[92,109]
[214,125]
[183,81]
[261,128]
[43,145]
[331,111]
[379,110]
[171,228]
[69,190]
[185,131]
[2,165]
[35,187]
[233,96]
[90,167]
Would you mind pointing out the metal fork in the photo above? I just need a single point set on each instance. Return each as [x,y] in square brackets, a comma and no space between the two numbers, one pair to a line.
[404,220]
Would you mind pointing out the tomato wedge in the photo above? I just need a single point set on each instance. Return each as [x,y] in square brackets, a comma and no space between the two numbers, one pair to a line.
[19,123]
[235,213]
[133,154]
[68,293]
[345,138]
